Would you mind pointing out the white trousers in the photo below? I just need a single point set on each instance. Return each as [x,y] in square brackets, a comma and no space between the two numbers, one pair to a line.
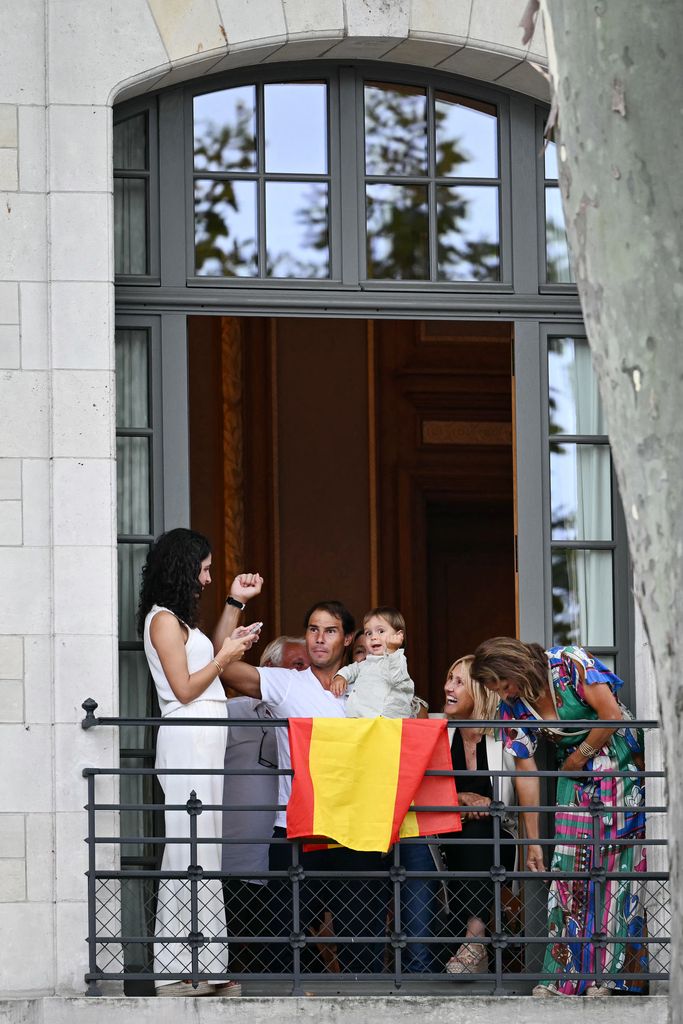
[200,746]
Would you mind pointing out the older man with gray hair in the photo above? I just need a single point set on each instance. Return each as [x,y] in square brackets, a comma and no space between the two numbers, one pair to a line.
[286,652]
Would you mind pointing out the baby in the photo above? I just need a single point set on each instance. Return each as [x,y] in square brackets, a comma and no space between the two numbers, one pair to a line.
[380,685]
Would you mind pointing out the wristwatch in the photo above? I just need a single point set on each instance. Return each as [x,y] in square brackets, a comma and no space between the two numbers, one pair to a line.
[234,603]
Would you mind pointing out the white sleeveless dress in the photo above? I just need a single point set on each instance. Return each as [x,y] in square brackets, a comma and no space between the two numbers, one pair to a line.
[200,746]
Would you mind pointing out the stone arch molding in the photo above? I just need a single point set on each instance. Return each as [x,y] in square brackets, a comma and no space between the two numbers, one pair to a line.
[165,42]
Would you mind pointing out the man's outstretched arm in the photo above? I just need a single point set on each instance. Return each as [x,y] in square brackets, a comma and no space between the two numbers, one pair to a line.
[245,679]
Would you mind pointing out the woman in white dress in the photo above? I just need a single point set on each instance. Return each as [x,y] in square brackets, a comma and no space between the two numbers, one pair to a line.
[186,671]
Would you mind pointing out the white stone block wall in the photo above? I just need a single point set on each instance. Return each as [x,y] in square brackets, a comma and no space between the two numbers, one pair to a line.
[62,65]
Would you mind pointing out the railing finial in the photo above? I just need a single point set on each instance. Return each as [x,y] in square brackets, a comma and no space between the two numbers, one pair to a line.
[89,706]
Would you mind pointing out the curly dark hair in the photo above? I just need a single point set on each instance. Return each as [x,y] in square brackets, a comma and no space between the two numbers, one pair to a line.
[170,575]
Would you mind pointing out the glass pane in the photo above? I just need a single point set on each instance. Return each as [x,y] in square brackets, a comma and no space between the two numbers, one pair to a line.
[135,698]
[575,406]
[131,559]
[297,233]
[582,598]
[130,225]
[225,130]
[395,130]
[557,255]
[550,159]
[607,659]
[130,144]
[225,228]
[132,485]
[581,492]
[398,232]
[468,233]
[466,138]
[296,128]
[132,382]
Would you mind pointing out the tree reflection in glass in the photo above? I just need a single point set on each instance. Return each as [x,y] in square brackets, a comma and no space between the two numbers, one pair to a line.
[296,229]
[225,228]
[467,230]
[558,258]
[466,216]
[395,130]
[466,138]
[225,208]
[557,254]
[398,232]
[225,130]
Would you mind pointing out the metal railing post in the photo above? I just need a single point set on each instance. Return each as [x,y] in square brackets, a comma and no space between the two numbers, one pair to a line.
[498,876]
[397,875]
[93,974]
[297,939]
[195,872]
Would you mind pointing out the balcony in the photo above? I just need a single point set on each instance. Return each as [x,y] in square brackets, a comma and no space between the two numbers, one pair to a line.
[312,923]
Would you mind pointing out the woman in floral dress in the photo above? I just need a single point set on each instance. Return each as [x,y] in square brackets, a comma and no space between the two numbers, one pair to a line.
[569,684]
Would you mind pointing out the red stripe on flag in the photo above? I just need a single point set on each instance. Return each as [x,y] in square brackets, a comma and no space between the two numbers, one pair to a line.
[419,736]
[301,806]
[438,790]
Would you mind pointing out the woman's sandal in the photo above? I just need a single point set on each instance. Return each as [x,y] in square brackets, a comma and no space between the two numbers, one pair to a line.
[184,988]
[471,958]
[228,988]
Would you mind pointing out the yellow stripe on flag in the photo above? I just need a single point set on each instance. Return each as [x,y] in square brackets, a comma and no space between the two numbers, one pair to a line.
[358,761]
[409,826]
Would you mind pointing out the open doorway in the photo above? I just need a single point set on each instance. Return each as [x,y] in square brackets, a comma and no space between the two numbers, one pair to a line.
[369,461]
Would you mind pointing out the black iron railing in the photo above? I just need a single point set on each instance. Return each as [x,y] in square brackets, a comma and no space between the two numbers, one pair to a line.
[331,919]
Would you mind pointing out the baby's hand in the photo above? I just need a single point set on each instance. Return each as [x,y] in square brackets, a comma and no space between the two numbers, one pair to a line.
[394,641]
[338,686]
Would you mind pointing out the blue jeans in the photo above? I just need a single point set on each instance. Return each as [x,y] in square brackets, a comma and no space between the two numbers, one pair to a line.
[418,907]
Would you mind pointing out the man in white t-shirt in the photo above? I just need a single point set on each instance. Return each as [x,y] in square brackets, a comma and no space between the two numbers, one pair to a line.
[356,905]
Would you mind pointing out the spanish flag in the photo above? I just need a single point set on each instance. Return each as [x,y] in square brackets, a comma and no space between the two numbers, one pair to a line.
[356,779]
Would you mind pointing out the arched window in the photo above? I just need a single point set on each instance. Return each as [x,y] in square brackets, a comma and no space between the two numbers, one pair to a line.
[366,191]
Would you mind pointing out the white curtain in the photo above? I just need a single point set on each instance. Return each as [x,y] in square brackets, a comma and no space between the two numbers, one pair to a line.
[592,570]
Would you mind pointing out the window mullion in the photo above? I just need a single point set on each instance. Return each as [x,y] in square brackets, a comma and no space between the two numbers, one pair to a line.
[176,191]
[431,190]
[347,167]
[261,185]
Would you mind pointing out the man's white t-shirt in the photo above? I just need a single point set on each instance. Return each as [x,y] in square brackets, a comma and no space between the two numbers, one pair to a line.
[292,694]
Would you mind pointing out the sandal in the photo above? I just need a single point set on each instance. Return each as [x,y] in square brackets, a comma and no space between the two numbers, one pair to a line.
[598,991]
[184,988]
[227,988]
[471,958]
[544,991]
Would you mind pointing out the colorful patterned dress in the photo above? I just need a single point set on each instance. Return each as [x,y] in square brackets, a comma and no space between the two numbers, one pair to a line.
[584,907]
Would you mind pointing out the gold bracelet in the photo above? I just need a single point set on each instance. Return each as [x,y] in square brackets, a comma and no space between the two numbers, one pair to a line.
[586,750]
[218,666]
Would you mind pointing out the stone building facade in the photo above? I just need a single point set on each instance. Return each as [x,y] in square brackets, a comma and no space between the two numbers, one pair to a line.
[63,66]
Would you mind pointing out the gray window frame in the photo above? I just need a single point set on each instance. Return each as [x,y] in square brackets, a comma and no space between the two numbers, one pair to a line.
[622,648]
[522,298]
[347,205]
[545,286]
[141,105]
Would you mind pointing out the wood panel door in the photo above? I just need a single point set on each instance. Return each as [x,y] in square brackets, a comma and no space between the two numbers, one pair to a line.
[445,510]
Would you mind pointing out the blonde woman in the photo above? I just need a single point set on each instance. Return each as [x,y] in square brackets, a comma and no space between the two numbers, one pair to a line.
[472,749]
